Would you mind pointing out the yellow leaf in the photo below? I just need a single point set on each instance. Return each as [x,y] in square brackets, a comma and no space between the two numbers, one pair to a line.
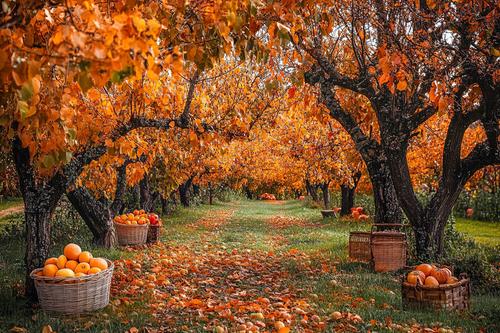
[58,38]
[139,23]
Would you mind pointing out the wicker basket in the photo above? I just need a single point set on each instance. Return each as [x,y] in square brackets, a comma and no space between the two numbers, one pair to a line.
[154,232]
[388,250]
[448,296]
[360,246]
[131,234]
[74,295]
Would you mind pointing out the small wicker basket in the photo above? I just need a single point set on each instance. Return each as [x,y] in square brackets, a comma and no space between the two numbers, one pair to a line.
[131,234]
[454,296]
[74,295]
[388,248]
[154,232]
[360,246]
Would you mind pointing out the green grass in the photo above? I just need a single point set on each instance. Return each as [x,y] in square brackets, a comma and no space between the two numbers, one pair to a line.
[10,202]
[349,287]
[486,233]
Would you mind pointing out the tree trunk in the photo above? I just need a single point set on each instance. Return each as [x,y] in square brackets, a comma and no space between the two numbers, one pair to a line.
[248,193]
[40,201]
[184,192]
[326,195]
[210,194]
[96,215]
[347,199]
[312,190]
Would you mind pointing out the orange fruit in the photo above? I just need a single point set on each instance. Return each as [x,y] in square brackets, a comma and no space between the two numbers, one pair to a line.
[72,251]
[85,256]
[71,264]
[80,274]
[98,262]
[94,270]
[451,280]
[65,272]
[414,276]
[82,267]
[61,261]
[52,260]
[50,270]
[431,281]
[424,268]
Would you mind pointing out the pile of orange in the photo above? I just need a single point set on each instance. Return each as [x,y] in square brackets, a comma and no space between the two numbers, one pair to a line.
[431,276]
[267,196]
[136,217]
[358,213]
[73,263]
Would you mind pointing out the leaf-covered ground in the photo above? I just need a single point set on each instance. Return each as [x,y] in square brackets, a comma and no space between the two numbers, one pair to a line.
[259,267]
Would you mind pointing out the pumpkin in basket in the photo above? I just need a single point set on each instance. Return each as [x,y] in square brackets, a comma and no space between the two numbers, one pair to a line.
[415,276]
[424,268]
[441,275]
[431,281]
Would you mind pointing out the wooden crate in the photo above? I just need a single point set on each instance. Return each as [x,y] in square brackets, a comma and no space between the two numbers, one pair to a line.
[448,296]
[360,246]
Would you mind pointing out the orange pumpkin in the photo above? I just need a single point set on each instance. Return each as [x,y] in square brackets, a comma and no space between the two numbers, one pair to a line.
[431,281]
[415,276]
[424,268]
[355,214]
[451,280]
[440,275]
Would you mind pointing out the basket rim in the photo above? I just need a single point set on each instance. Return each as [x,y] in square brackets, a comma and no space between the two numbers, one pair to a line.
[35,277]
[131,225]
[440,287]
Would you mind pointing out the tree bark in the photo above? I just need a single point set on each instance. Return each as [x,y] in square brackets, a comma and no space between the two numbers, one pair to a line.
[210,194]
[184,192]
[326,195]
[96,215]
[347,199]
[312,190]
[40,201]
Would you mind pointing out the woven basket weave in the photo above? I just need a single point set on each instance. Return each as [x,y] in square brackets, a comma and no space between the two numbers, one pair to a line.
[360,246]
[131,234]
[388,250]
[154,232]
[74,295]
[448,296]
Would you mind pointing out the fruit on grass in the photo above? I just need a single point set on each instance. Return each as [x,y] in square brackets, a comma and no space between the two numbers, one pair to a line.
[98,262]
[65,272]
[71,264]
[355,214]
[61,261]
[82,267]
[50,270]
[94,270]
[424,268]
[415,276]
[431,281]
[72,251]
[85,256]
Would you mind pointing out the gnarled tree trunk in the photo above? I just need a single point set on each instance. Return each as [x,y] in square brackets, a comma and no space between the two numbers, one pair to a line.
[326,195]
[184,192]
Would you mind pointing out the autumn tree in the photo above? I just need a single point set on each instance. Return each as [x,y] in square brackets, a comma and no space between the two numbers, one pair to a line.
[407,68]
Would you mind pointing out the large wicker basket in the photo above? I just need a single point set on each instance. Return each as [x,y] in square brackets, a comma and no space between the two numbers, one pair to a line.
[74,295]
[448,296]
[388,248]
[154,232]
[131,234]
[360,246]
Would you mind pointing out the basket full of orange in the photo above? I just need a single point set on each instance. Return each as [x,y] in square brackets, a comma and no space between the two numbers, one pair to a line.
[132,228]
[73,282]
[435,287]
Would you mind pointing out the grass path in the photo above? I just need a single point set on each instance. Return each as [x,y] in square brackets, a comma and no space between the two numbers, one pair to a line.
[248,266]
